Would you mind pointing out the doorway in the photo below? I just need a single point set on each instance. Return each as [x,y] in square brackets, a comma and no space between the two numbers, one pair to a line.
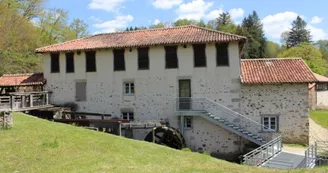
[184,94]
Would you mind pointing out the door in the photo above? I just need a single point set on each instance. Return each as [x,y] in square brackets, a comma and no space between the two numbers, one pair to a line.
[184,94]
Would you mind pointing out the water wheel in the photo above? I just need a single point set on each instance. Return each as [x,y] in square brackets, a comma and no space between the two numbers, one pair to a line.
[168,136]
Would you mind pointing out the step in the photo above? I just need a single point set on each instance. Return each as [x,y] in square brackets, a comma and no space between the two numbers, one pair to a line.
[236,128]
[240,129]
[217,118]
[250,134]
[231,125]
[245,132]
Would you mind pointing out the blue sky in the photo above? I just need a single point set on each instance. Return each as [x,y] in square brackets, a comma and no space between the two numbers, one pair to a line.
[276,15]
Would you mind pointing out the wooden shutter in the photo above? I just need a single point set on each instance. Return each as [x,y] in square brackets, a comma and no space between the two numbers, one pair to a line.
[143,58]
[90,61]
[119,62]
[70,62]
[54,63]
[171,57]
[222,57]
[81,91]
[199,55]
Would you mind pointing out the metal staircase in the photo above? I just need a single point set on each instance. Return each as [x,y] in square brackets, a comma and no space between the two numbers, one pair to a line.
[225,118]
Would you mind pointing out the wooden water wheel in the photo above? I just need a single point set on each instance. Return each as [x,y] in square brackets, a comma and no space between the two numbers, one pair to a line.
[168,136]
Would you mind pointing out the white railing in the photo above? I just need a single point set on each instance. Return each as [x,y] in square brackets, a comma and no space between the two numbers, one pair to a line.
[264,153]
[203,104]
[310,158]
[24,100]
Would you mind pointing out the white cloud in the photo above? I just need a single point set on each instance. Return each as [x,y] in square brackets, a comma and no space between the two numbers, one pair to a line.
[107,5]
[276,24]
[118,23]
[213,14]
[316,20]
[166,4]
[195,9]
[95,19]
[317,33]
[236,13]
[157,21]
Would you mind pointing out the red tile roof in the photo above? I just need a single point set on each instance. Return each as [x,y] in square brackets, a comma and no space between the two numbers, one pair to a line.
[321,78]
[164,36]
[28,79]
[275,70]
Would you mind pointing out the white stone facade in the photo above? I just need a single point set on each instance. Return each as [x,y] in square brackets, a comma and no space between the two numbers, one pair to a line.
[157,88]
[322,97]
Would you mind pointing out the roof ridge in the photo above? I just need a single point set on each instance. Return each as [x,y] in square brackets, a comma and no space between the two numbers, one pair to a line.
[65,42]
[21,74]
[264,59]
[213,30]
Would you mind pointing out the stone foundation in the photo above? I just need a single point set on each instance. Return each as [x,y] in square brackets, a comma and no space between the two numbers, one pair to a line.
[6,120]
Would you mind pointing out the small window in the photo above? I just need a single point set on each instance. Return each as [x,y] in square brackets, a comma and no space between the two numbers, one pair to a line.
[270,123]
[81,91]
[222,57]
[171,57]
[187,122]
[90,61]
[199,55]
[143,58]
[128,116]
[54,62]
[70,62]
[119,62]
[128,88]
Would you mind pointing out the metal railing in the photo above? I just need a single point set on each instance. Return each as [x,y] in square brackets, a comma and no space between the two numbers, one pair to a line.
[309,160]
[263,153]
[24,100]
[235,118]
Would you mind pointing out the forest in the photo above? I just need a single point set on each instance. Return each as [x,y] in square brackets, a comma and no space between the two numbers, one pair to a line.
[26,25]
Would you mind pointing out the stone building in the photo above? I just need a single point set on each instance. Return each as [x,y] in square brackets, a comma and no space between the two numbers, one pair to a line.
[318,92]
[192,78]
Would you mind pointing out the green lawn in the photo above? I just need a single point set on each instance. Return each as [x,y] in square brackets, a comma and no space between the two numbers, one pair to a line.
[36,145]
[320,117]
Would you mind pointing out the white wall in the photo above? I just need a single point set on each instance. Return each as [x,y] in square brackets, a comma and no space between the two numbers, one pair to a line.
[156,88]
[322,98]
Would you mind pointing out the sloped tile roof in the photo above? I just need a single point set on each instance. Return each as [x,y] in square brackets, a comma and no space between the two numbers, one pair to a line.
[28,79]
[321,78]
[275,70]
[139,38]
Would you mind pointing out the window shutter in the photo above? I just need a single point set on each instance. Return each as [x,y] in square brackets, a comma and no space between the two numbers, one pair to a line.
[199,55]
[90,61]
[119,62]
[222,56]
[81,91]
[70,62]
[143,58]
[54,63]
[171,57]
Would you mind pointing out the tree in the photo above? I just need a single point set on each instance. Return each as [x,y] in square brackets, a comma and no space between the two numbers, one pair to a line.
[224,23]
[77,29]
[159,25]
[272,49]
[182,22]
[252,28]
[30,8]
[298,33]
[322,45]
[310,54]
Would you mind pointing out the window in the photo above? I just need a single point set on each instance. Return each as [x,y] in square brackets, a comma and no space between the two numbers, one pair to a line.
[128,88]
[171,57]
[81,91]
[54,62]
[143,58]
[187,122]
[90,61]
[222,57]
[128,116]
[199,55]
[119,62]
[70,62]
[322,86]
[270,123]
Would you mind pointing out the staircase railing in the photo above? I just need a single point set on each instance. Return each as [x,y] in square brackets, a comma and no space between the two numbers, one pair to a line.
[310,158]
[263,153]
[235,118]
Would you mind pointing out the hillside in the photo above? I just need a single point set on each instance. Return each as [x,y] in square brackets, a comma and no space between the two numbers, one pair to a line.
[36,145]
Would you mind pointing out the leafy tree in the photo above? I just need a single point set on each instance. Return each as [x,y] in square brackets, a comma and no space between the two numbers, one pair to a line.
[182,22]
[311,55]
[224,23]
[159,25]
[252,28]
[322,45]
[77,29]
[298,33]
[272,49]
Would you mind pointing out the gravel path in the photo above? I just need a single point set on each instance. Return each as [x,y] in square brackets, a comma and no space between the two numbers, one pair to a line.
[317,133]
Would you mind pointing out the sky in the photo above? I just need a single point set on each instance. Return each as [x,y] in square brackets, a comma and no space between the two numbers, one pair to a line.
[104,16]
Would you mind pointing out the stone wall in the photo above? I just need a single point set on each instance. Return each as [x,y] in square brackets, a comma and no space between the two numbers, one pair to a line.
[288,101]
[6,120]
[312,96]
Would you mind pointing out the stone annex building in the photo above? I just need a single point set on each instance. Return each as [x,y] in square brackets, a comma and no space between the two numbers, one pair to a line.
[192,78]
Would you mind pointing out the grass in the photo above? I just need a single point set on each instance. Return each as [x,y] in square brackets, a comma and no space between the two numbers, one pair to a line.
[295,146]
[36,145]
[320,117]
